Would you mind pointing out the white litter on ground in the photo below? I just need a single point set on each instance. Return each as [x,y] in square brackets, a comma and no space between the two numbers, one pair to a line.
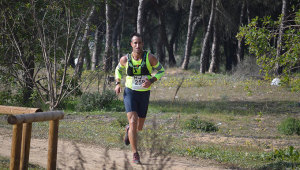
[275,82]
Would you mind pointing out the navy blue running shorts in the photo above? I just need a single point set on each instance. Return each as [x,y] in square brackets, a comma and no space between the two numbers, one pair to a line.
[136,101]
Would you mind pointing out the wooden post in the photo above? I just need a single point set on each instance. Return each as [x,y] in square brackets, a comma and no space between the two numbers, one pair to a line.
[18,120]
[52,146]
[16,146]
[26,136]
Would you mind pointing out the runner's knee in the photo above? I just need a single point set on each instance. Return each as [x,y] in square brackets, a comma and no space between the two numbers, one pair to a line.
[132,118]
[140,128]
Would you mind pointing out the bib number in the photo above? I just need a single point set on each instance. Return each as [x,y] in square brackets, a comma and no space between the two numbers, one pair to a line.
[137,82]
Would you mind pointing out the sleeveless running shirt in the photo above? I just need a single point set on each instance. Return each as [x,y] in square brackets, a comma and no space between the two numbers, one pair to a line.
[137,72]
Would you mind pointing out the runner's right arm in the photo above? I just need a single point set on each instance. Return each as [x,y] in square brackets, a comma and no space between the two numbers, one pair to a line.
[118,73]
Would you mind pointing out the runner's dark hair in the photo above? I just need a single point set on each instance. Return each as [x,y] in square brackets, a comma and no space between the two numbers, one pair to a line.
[137,35]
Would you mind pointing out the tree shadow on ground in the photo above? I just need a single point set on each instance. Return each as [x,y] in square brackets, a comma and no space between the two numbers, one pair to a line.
[228,107]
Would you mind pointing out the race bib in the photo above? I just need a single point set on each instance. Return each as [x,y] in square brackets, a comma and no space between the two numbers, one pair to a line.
[137,82]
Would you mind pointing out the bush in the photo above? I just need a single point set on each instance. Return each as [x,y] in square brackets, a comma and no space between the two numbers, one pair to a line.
[96,101]
[197,124]
[11,99]
[289,126]
[121,121]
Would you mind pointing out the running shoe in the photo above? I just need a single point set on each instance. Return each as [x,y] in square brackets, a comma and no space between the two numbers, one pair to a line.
[136,158]
[126,138]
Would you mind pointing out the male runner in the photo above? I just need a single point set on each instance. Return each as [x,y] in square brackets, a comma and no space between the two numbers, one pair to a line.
[138,66]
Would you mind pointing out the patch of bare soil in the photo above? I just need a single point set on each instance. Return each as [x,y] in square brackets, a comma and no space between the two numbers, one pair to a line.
[90,157]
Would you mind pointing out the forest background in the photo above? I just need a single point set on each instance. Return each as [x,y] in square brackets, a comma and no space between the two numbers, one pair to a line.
[41,40]
[62,55]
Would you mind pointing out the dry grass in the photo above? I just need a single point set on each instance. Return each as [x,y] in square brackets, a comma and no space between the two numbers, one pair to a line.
[247,112]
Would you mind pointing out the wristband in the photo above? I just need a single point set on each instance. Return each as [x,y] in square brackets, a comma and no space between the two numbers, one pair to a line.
[152,80]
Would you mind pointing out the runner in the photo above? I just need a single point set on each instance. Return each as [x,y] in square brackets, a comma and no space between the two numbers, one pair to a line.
[138,66]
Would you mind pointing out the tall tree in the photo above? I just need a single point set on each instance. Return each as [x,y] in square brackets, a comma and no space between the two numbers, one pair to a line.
[117,31]
[84,41]
[98,23]
[97,48]
[140,17]
[57,33]
[214,63]
[175,33]
[280,35]
[189,38]
[107,59]
[240,47]
[17,46]
[204,52]
[163,38]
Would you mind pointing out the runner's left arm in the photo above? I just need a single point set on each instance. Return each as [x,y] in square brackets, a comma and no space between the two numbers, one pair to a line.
[160,70]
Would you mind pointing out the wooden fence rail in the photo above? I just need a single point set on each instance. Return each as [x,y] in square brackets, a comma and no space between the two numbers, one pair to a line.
[21,142]
[18,110]
[35,117]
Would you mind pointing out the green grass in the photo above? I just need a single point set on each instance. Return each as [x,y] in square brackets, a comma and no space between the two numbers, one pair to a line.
[4,164]
[247,114]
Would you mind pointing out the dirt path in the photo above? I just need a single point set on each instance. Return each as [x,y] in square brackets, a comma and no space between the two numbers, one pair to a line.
[81,156]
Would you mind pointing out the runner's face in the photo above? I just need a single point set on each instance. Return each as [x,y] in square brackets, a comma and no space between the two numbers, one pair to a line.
[137,44]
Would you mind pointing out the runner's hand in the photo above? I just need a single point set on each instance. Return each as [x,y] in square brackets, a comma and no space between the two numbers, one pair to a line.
[147,83]
[118,89]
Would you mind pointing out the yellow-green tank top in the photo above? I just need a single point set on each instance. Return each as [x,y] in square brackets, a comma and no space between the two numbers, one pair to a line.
[136,63]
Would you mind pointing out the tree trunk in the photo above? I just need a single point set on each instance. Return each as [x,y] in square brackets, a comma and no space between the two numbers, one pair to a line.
[107,60]
[229,50]
[140,17]
[279,40]
[172,61]
[28,78]
[87,56]
[96,50]
[189,42]
[80,57]
[72,60]
[160,47]
[119,45]
[204,52]
[116,34]
[214,63]
[240,47]
[248,12]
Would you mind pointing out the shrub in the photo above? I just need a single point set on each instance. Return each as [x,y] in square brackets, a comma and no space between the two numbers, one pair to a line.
[121,121]
[95,101]
[289,126]
[11,99]
[197,124]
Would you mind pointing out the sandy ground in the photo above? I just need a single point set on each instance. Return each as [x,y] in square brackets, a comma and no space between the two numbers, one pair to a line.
[81,156]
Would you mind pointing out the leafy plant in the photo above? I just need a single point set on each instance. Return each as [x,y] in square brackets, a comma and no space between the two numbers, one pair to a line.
[289,154]
[121,121]
[198,124]
[96,101]
[289,126]
[289,157]
[260,35]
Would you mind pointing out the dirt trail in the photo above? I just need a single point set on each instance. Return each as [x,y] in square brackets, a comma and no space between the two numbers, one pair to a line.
[82,156]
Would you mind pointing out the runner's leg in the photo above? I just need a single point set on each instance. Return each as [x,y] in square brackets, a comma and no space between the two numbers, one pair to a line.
[132,133]
[140,124]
